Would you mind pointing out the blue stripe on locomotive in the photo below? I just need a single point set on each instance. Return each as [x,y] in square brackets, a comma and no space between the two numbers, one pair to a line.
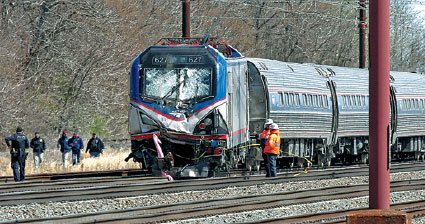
[221,76]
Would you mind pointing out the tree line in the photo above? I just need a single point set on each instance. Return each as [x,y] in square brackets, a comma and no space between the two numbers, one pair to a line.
[64,64]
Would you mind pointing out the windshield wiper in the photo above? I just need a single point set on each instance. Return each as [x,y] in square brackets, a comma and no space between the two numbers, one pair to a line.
[172,90]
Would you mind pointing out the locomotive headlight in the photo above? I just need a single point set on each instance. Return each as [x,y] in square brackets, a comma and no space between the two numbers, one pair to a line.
[207,121]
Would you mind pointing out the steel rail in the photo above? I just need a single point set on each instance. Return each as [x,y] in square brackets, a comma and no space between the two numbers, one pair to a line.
[413,208]
[204,208]
[85,174]
[131,190]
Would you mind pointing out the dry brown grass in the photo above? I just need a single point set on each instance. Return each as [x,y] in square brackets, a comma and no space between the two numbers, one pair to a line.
[111,159]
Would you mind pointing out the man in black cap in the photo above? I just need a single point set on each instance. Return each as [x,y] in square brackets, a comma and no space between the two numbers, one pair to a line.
[95,145]
[38,145]
[17,144]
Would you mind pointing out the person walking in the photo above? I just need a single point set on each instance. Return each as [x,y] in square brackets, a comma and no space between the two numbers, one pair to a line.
[38,146]
[64,147]
[76,144]
[263,138]
[17,144]
[272,149]
[95,146]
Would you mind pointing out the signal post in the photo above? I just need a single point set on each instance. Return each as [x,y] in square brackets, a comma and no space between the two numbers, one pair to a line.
[379,129]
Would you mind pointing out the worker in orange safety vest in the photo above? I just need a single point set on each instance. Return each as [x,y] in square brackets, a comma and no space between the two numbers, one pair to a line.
[272,149]
[263,138]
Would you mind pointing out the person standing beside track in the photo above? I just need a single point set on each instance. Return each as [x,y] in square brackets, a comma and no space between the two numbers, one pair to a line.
[272,149]
[95,146]
[17,144]
[64,147]
[38,146]
[76,144]
[263,138]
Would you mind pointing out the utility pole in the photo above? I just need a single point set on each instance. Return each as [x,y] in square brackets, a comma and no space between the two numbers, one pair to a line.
[186,18]
[362,33]
[379,101]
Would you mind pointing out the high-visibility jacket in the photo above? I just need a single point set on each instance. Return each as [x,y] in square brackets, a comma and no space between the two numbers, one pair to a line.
[263,138]
[273,143]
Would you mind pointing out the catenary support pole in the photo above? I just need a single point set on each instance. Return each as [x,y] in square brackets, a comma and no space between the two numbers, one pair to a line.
[362,34]
[186,18]
[379,101]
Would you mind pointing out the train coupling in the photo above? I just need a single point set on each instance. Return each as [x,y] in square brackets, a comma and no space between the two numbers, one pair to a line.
[166,163]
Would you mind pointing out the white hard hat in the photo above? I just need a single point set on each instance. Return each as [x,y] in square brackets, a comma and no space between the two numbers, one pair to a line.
[274,126]
[269,121]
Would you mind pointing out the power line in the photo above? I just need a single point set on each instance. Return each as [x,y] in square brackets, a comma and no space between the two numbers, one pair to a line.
[272,18]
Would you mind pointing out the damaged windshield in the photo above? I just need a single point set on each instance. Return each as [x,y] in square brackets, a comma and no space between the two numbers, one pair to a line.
[177,84]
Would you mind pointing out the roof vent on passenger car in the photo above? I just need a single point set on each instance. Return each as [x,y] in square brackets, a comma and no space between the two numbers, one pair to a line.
[325,73]
[263,66]
[290,68]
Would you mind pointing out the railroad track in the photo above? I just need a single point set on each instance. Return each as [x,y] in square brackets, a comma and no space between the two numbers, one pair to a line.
[210,207]
[89,189]
[413,208]
[86,174]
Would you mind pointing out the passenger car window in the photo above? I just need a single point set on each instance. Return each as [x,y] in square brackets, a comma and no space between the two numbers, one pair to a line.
[297,100]
[281,98]
[325,100]
[286,99]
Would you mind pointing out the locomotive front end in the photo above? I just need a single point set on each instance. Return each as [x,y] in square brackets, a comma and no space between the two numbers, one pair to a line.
[178,93]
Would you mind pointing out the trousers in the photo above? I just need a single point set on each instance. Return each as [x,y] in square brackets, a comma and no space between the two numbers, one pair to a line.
[266,164]
[271,164]
[38,158]
[76,157]
[18,167]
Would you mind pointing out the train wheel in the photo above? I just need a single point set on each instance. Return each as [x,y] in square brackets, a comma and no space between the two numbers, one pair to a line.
[320,161]
[248,167]
[422,157]
[364,157]
[257,165]
[300,163]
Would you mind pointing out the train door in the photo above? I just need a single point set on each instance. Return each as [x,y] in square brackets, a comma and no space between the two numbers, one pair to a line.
[258,99]
[393,115]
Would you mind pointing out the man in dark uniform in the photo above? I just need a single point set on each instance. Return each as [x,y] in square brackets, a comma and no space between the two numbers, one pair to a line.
[95,146]
[17,144]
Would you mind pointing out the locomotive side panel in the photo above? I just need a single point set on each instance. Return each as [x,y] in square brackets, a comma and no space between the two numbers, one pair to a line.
[237,94]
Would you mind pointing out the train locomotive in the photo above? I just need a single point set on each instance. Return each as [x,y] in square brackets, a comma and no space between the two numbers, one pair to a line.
[206,102]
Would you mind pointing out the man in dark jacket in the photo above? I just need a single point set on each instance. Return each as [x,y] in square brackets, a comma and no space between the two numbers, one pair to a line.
[76,144]
[64,147]
[17,144]
[95,146]
[38,146]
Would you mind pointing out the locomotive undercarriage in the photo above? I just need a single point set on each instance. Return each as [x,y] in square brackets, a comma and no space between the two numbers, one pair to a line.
[202,158]
[189,158]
